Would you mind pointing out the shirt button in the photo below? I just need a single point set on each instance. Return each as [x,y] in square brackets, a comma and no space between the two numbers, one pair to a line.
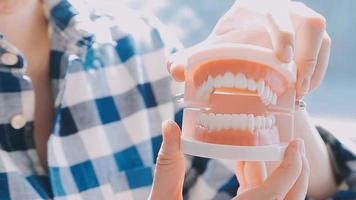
[9,58]
[18,121]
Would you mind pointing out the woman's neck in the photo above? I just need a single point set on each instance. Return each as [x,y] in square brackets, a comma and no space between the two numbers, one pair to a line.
[26,27]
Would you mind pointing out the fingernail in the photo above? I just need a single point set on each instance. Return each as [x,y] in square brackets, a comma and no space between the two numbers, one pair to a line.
[165,124]
[288,53]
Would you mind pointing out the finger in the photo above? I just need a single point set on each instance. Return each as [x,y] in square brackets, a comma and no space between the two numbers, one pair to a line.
[176,66]
[298,191]
[255,173]
[235,17]
[300,188]
[178,62]
[240,175]
[169,172]
[275,18]
[250,175]
[253,194]
[280,29]
[322,63]
[171,140]
[310,27]
[284,177]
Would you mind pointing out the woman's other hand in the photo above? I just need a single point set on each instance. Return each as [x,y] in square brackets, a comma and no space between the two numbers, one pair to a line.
[293,30]
[289,181]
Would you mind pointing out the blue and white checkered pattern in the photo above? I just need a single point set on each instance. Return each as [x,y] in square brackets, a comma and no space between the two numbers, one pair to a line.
[111,93]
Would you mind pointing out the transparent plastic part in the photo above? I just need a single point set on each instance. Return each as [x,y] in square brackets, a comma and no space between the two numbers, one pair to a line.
[227,112]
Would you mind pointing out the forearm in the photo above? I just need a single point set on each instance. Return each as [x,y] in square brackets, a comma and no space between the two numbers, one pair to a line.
[322,180]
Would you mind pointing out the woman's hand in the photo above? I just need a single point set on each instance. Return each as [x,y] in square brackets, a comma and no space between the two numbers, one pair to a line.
[288,181]
[169,173]
[293,30]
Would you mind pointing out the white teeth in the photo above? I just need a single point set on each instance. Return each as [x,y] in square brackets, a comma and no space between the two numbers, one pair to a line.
[228,80]
[210,121]
[218,81]
[202,90]
[251,85]
[210,81]
[243,121]
[267,94]
[258,122]
[273,118]
[227,121]
[269,122]
[203,120]
[220,122]
[270,96]
[235,119]
[263,123]
[250,122]
[274,99]
[240,81]
[264,95]
[217,122]
[260,87]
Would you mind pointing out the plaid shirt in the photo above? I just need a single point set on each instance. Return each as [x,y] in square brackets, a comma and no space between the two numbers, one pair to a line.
[111,92]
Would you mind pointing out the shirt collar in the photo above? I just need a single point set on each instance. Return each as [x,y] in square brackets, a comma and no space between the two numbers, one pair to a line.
[72,20]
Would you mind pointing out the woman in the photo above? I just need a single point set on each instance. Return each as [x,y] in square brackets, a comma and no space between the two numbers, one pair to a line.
[80,115]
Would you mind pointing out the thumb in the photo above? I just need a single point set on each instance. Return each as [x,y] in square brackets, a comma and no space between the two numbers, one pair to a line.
[283,178]
[176,65]
[169,173]
[170,148]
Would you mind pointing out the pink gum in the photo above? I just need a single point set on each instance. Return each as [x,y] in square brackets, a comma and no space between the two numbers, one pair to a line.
[238,137]
[251,69]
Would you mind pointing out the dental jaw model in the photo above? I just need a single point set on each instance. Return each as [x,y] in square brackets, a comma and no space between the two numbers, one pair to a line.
[239,102]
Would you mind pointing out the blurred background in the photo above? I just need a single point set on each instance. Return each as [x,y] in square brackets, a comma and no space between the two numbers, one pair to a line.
[334,103]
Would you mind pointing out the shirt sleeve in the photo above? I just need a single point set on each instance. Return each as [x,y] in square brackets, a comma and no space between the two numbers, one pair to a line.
[172,45]
[343,157]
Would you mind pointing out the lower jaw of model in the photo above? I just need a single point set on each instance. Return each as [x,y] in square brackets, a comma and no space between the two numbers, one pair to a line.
[236,129]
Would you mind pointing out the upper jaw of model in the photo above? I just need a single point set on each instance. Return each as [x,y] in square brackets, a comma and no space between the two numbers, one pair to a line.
[238,81]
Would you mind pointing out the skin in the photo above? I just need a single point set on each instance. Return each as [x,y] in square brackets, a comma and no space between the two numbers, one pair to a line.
[28,29]
[8,6]
[317,157]
[296,33]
